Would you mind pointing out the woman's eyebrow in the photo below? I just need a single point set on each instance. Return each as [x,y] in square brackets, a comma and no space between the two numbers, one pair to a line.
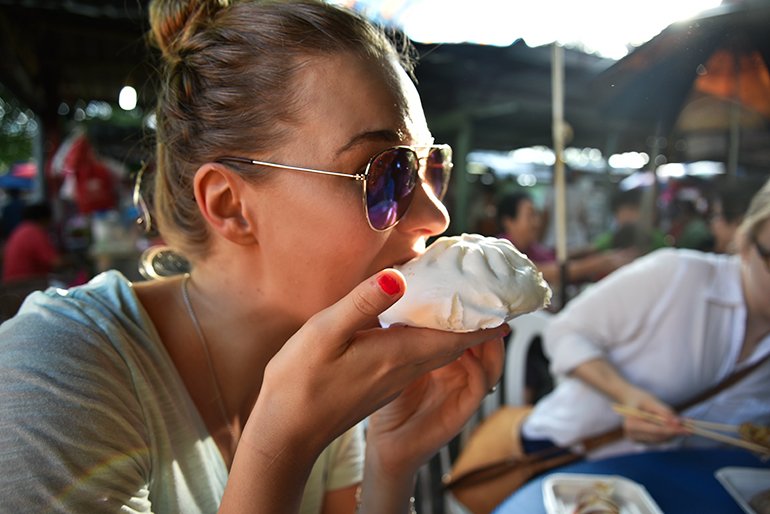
[385,135]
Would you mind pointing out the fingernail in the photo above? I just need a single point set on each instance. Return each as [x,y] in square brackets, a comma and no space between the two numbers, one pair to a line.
[388,284]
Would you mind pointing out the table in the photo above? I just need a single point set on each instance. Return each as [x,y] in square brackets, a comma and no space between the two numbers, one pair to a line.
[680,481]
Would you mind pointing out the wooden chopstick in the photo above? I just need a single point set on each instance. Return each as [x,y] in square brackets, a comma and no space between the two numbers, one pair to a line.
[625,410]
[711,425]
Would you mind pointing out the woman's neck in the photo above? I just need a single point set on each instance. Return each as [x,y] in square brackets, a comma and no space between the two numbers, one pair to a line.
[757,318]
[240,338]
[243,332]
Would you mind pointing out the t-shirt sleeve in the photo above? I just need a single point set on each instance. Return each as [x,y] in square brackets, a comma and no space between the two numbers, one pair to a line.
[340,465]
[347,459]
[71,427]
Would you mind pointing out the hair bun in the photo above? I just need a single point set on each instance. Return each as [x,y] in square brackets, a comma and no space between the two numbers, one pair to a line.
[173,22]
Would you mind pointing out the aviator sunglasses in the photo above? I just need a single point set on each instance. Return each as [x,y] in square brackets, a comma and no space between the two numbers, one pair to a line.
[389,179]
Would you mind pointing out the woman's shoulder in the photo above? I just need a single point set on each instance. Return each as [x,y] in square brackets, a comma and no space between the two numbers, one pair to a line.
[666,269]
[688,270]
[696,260]
[102,313]
[683,258]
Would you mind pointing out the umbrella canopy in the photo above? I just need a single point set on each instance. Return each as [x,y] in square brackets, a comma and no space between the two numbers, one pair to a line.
[738,74]
[708,76]
[727,114]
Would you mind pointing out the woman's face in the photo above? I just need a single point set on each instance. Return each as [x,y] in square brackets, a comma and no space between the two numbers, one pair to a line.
[756,267]
[524,229]
[315,244]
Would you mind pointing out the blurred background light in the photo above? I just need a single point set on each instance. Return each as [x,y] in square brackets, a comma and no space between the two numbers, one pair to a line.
[127,98]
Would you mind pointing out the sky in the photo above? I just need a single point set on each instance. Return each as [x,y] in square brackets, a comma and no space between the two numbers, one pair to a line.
[605,27]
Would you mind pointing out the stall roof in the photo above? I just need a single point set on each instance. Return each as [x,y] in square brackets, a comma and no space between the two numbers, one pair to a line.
[498,98]
[53,52]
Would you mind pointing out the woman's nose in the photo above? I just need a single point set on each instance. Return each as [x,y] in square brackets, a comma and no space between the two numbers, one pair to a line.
[426,215]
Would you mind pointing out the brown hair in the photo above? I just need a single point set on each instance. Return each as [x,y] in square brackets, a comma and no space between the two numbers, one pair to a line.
[227,87]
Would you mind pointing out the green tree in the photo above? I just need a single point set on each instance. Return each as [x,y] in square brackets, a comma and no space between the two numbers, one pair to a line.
[18,128]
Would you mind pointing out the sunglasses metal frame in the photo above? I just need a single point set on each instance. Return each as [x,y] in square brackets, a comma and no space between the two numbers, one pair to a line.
[361,177]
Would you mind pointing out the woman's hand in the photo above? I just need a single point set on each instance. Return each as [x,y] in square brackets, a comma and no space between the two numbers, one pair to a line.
[433,408]
[648,431]
[601,375]
[347,370]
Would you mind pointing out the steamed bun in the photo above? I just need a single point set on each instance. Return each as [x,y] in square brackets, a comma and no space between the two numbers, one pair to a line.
[468,282]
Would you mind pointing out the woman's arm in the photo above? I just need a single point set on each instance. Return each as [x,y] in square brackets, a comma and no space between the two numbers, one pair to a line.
[587,268]
[604,377]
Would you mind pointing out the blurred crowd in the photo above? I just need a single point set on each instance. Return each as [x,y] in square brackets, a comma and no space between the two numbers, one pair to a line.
[609,224]
[81,221]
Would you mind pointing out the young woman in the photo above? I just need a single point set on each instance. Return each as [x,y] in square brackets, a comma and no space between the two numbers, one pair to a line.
[294,168]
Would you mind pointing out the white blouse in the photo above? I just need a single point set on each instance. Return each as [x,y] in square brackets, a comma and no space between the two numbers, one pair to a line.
[672,323]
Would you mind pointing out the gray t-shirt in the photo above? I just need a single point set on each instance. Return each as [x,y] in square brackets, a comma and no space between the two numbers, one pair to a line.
[95,418]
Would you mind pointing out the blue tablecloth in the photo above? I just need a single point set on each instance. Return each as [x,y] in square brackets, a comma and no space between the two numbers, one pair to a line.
[679,481]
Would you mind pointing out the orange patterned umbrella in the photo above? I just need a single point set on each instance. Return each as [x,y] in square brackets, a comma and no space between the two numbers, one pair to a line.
[706,76]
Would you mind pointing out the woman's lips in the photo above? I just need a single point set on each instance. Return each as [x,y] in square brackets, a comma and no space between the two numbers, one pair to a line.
[404,260]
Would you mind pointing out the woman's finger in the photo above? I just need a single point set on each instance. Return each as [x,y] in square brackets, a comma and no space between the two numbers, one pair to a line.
[360,308]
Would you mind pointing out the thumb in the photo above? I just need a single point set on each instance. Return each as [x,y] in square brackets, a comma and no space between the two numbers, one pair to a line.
[359,308]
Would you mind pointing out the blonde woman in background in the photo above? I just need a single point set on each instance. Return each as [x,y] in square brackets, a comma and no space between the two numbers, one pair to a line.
[657,333]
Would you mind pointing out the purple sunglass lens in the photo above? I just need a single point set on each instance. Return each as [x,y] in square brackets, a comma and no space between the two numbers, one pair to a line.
[390,186]
[437,171]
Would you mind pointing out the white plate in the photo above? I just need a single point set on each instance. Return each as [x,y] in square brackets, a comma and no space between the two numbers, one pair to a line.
[560,491]
[744,483]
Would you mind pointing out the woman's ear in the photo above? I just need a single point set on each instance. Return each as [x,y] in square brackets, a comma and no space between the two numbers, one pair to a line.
[219,194]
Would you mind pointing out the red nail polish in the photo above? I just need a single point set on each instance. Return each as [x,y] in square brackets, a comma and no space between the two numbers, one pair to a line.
[388,284]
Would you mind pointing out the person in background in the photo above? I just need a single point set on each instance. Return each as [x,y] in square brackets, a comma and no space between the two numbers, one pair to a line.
[483,211]
[614,343]
[629,226]
[519,222]
[727,210]
[30,252]
[689,228]
[580,196]
[295,168]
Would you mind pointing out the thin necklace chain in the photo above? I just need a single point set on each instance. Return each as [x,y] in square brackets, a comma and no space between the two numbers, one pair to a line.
[207,354]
